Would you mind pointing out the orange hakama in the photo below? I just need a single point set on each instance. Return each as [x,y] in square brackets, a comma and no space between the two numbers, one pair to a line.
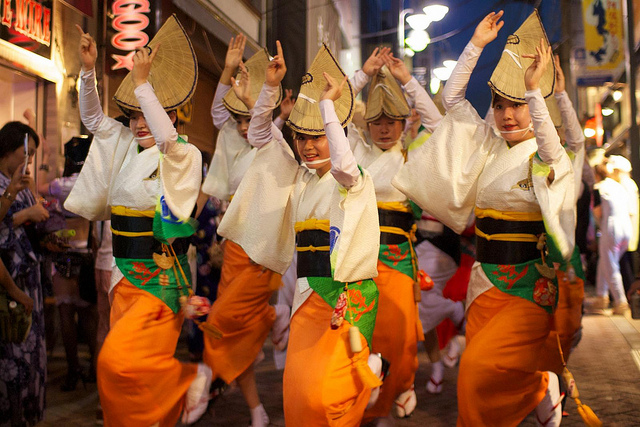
[395,336]
[321,386]
[567,320]
[498,380]
[139,380]
[241,312]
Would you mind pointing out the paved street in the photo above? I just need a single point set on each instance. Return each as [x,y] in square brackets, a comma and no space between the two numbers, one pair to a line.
[606,366]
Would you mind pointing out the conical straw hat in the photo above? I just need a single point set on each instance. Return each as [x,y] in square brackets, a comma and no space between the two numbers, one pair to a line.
[386,96]
[507,79]
[257,67]
[305,117]
[174,71]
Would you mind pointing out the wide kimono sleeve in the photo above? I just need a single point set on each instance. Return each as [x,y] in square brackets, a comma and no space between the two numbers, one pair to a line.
[91,194]
[260,217]
[229,145]
[555,196]
[354,231]
[441,175]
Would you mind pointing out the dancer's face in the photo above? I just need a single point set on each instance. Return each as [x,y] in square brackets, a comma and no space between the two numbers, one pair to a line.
[242,125]
[313,148]
[512,116]
[140,128]
[385,131]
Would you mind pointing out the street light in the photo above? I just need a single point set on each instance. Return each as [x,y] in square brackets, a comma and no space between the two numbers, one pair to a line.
[418,40]
[419,21]
[435,12]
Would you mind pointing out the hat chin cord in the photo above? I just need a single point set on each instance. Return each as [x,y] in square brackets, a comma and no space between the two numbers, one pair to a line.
[386,145]
[524,131]
[317,162]
[139,140]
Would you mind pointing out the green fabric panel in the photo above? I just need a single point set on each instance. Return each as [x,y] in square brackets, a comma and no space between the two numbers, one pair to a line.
[416,210]
[397,257]
[363,301]
[524,281]
[167,226]
[144,274]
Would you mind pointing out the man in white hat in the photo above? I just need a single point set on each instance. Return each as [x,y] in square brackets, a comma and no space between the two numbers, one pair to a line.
[146,178]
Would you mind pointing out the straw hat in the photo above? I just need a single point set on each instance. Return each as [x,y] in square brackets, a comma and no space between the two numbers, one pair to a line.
[305,117]
[507,79]
[257,67]
[386,96]
[174,71]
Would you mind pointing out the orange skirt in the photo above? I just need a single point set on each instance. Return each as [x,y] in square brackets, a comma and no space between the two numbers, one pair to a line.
[395,336]
[241,312]
[498,382]
[139,380]
[321,386]
[567,320]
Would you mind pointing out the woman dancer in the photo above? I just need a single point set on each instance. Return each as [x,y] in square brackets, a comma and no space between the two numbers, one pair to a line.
[241,312]
[152,167]
[327,380]
[382,154]
[513,181]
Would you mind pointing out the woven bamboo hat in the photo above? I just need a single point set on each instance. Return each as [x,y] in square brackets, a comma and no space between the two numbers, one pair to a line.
[174,71]
[386,96]
[305,117]
[507,79]
[257,67]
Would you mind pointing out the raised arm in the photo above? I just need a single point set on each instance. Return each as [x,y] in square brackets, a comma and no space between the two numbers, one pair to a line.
[90,109]
[369,69]
[219,112]
[159,122]
[430,116]
[573,131]
[549,148]
[261,129]
[486,32]
[344,166]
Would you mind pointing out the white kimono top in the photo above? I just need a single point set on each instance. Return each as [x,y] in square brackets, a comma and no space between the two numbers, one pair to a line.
[277,192]
[116,173]
[466,164]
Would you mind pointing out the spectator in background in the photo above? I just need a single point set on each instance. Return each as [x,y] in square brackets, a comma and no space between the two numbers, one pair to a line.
[612,214]
[23,365]
[620,169]
[74,278]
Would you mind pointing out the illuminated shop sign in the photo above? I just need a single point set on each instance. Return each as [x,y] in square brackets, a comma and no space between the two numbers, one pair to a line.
[27,23]
[131,26]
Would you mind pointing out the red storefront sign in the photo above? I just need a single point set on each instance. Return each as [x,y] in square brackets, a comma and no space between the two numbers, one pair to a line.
[27,23]
[131,27]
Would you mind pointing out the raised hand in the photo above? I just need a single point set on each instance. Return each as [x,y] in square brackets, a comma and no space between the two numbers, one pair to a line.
[19,181]
[332,90]
[242,87]
[88,50]
[235,52]
[142,64]
[373,64]
[397,68]
[277,68]
[541,60]
[487,29]
[561,83]
[286,106]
